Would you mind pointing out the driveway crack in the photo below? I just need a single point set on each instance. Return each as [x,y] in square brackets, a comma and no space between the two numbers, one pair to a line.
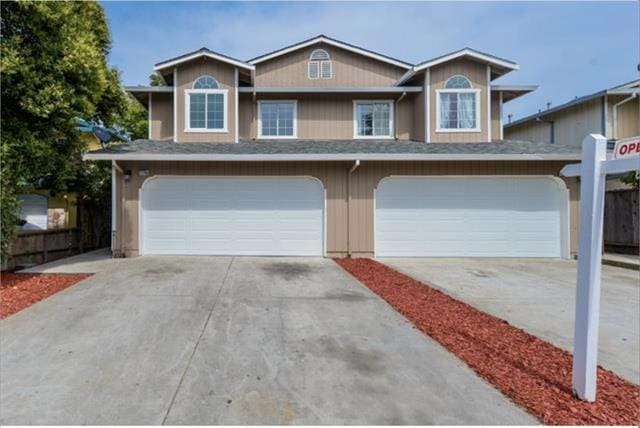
[195,347]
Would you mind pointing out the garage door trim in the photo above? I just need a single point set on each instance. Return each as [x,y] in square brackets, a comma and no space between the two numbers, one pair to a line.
[141,250]
[562,186]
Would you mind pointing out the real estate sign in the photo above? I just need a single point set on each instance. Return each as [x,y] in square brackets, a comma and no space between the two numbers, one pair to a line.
[627,148]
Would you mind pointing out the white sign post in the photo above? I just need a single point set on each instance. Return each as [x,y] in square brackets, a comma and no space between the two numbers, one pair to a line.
[593,171]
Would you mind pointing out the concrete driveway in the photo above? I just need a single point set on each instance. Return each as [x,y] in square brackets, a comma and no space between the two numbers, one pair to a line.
[538,295]
[205,340]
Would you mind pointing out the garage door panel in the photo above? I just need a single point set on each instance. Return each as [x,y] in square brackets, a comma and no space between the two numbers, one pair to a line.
[233,216]
[469,216]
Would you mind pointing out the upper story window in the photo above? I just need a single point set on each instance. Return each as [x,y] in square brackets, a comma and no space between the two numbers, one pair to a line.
[320,65]
[206,106]
[458,106]
[373,119]
[277,119]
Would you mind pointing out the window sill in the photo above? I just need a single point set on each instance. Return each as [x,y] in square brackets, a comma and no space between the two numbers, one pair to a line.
[373,137]
[456,130]
[277,137]
[206,131]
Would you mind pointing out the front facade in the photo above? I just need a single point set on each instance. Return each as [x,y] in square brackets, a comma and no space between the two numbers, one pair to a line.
[323,148]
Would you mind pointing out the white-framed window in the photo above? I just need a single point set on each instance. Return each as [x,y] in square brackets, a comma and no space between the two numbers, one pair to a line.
[278,119]
[320,65]
[206,106]
[373,119]
[458,106]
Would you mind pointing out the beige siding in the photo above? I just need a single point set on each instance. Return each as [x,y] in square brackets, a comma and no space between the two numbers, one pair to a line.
[334,177]
[161,116]
[349,69]
[571,125]
[477,74]
[327,117]
[495,116]
[628,118]
[529,131]
[419,117]
[225,75]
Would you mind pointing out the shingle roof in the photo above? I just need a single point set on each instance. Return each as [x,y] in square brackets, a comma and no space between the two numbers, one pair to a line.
[366,149]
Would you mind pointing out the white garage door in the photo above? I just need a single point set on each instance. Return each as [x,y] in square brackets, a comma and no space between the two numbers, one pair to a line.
[233,216]
[471,217]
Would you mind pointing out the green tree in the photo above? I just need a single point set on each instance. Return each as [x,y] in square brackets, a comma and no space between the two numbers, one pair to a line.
[54,67]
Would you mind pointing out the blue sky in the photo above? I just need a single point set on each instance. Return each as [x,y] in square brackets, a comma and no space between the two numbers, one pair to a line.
[569,49]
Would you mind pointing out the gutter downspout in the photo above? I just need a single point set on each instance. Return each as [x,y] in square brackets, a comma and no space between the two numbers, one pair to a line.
[115,167]
[395,115]
[615,113]
[355,166]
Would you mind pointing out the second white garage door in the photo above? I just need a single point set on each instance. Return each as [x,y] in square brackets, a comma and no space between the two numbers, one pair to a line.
[263,216]
[471,217]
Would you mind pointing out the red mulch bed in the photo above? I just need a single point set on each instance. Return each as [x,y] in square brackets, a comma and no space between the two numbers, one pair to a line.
[21,290]
[533,373]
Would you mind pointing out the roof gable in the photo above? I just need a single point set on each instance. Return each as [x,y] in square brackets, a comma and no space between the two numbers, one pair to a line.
[203,52]
[332,42]
[499,63]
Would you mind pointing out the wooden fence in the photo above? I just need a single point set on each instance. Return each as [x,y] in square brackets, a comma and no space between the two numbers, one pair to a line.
[621,221]
[41,246]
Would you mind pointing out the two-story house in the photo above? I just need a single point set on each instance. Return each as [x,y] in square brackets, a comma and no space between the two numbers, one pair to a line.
[325,148]
[613,112]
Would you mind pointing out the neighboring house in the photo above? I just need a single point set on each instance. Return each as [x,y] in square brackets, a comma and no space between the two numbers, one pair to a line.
[42,209]
[613,112]
[325,148]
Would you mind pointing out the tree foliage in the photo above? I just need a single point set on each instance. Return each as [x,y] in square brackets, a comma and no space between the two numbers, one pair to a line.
[54,68]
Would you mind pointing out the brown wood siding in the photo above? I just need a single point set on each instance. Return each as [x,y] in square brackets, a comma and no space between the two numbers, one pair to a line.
[529,131]
[495,116]
[325,116]
[477,74]
[349,69]
[161,116]
[419,117]
[628,119]
[334,177]
[225,75]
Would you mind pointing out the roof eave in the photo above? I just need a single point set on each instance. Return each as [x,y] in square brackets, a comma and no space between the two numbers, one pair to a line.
[171,63]
[329,157]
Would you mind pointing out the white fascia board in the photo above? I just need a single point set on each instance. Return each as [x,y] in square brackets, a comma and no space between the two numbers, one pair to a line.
[328,90]
[467,52]
[332,43]
[240,64]
[331,157]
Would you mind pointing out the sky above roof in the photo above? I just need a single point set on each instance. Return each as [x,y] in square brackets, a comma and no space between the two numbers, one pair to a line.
[569,49]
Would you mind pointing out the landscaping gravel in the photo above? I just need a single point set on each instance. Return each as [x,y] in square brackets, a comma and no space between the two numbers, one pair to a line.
[21,290]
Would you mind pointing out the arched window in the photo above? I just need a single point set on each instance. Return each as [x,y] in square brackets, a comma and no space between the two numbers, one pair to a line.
[206,82]
[458,82]
[319,54]
[458,106]
[206,106]
[320,65]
